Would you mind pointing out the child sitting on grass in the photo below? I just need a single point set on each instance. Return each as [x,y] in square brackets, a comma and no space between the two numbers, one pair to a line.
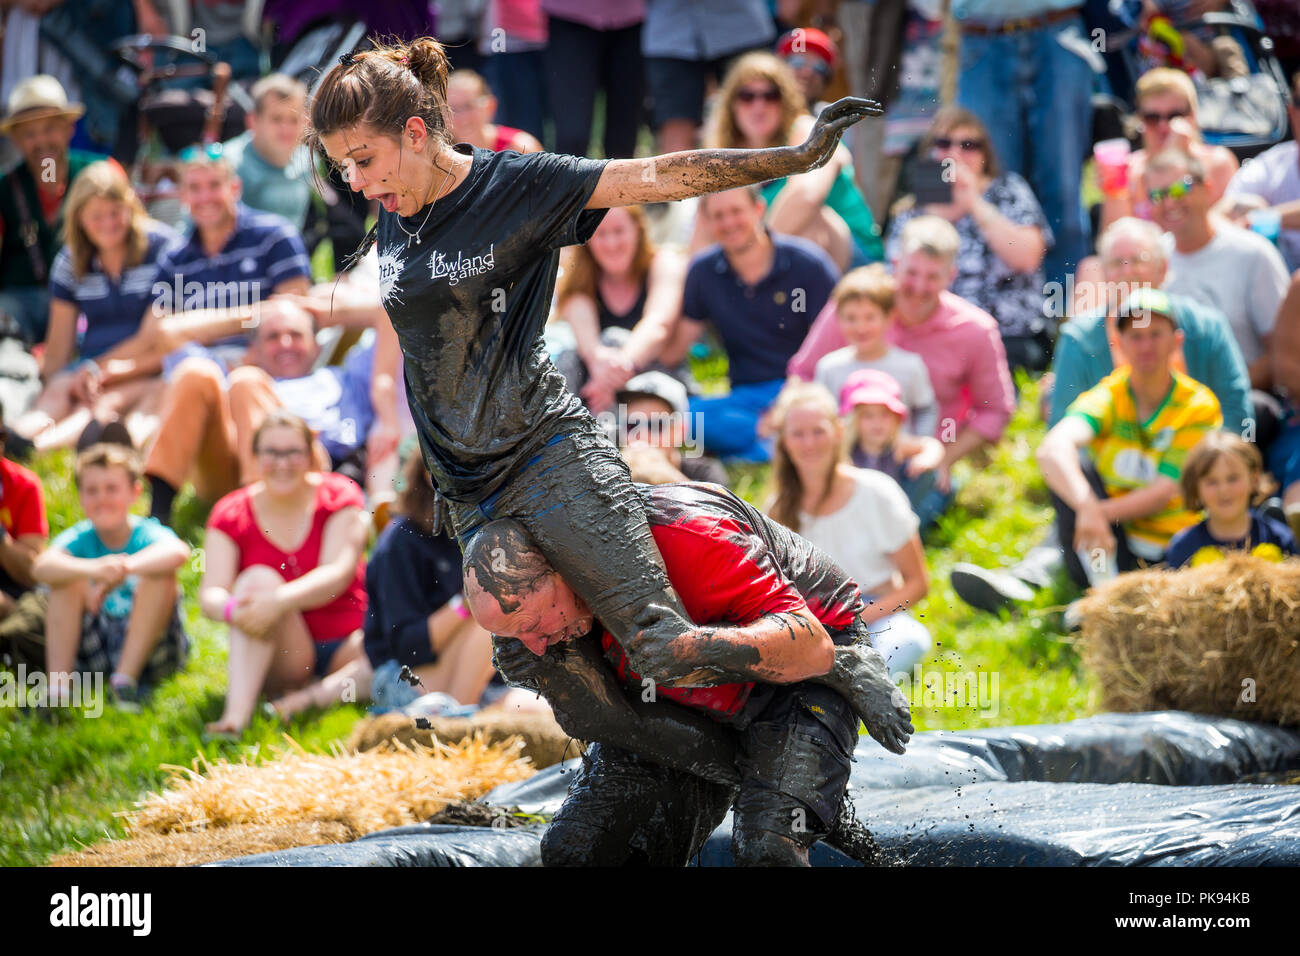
[864,300]
[113,604]
[1222,475]
[874,407]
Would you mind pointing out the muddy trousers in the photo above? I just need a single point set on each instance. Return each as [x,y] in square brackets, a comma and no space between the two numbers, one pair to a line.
[577,500]
[794,765]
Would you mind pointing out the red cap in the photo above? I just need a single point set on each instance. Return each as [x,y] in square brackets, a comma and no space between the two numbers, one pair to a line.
[869,386]
[808,40]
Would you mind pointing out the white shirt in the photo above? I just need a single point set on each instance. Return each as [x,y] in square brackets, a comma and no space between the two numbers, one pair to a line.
[908,370]
[1240,273]
[875,522]
[1274,176]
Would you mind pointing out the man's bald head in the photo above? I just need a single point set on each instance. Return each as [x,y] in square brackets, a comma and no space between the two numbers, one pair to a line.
[506,563]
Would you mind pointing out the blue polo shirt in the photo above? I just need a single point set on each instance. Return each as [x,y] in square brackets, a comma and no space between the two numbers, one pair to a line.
[763,325]
[113,307]
[262,252]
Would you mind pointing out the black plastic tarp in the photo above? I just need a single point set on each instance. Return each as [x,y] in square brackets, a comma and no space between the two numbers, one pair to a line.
[1116,789]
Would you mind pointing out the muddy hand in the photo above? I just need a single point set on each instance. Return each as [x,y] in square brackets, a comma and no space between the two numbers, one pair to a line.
[660,649]
[831,124]
[861,676]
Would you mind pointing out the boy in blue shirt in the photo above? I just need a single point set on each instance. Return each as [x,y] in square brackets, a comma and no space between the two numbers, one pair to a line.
[113,592]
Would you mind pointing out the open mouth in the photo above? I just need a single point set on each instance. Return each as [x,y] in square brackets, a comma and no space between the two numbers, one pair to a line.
[388,200]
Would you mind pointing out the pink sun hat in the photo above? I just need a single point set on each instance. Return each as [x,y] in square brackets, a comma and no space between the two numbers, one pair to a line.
[869,386]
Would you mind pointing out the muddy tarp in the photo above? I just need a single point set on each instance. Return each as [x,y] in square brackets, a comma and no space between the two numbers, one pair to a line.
[1116,789]
[427,845]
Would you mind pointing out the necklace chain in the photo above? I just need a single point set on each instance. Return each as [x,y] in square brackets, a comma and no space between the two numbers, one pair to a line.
[416,235]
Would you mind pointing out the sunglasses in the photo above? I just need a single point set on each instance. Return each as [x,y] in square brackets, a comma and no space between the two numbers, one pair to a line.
[199,152]
[965,145]
[1175,190]
[798,62]
[1151,119]
[767,96]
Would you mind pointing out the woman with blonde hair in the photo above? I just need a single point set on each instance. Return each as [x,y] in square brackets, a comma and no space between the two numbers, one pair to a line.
[106,271]
[621,297]
[860,517]
[1166,105]
[759,106]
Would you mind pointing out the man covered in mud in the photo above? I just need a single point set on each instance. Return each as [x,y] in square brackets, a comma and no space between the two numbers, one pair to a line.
[758,710]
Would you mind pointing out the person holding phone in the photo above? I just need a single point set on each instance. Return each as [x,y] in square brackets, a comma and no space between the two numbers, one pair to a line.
[1004,234]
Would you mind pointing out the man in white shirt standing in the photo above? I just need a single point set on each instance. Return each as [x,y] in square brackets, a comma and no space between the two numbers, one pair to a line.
[1237,271]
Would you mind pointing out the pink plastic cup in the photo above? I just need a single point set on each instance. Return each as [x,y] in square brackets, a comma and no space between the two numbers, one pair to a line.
[1112,165]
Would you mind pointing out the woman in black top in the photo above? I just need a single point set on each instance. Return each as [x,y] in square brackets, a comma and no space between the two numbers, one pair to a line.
[468,247]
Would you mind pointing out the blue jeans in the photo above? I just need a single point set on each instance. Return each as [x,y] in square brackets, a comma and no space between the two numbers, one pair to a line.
[29,306]
[518,80]
[1034,95]
[728,424]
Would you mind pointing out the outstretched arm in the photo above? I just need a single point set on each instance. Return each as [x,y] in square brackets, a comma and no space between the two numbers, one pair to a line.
[590,704]
[694,172]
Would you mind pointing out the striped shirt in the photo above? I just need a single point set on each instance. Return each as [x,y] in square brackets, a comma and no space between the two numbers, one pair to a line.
[1130,454]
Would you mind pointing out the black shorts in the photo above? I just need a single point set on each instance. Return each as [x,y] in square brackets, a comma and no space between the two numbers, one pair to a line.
[677,87]
[104,636]
[794,765]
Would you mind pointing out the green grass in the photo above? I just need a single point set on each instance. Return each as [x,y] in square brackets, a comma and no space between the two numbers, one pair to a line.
[63,785]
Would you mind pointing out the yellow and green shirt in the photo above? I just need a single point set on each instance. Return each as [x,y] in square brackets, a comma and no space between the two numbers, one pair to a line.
[1130,454]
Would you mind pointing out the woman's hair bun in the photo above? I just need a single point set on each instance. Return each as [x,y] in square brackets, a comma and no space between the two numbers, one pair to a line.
[428,61]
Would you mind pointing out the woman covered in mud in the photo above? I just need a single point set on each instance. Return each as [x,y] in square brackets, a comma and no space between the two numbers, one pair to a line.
[468,246]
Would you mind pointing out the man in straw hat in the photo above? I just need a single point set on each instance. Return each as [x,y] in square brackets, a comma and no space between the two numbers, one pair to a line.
[761,711]
[40,122]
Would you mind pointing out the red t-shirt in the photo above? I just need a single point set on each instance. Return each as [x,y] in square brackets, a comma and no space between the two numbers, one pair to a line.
[233,516]
[728,567]
[22,504]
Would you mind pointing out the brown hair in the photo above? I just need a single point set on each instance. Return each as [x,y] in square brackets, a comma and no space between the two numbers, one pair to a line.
[583,272]
[723,132]
[873,283]
[948,118]
[382,88]
[109,455]
[789,487]
[1208,451]
[416,500]
[281,417]
[103,180]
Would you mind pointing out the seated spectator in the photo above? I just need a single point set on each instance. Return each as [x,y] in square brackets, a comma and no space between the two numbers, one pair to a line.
[416,616]
[758,289]
[1119,509]
[958,342]
[272,164]
[1174,36]
[1088,350]
[859,517]
[23,534]
[1272,181]
[619,280]
[114,602]
[1239,272]
[295,603]
[1284,455]
[812,57]
[1222,475]
[1004,235]
[213,281]
[759,106]
[106,273]
[655,413]
[209,418]
[864,303]
[472,107]
[40,123]
[873,405]
[1166,104]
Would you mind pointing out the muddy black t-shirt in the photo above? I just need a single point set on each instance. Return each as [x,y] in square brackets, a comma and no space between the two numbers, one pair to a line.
[469,302]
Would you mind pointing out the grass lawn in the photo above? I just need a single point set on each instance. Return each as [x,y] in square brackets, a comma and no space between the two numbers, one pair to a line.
[64,781]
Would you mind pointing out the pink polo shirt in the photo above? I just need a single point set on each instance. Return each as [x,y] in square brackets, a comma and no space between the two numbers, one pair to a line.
[962,351]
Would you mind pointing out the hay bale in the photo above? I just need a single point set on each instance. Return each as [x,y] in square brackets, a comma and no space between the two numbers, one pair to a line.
[207,846]
[544,743]
[1205,640]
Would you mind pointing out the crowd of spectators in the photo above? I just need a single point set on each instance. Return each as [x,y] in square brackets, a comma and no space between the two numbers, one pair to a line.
[873,318]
